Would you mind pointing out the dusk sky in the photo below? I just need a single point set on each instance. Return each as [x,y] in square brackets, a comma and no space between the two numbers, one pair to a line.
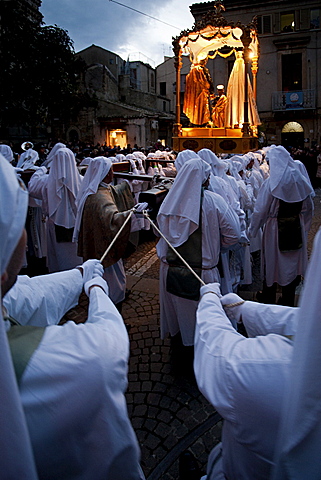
[119,29]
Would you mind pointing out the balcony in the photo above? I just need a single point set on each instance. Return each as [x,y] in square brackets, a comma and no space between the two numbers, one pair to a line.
[296,100]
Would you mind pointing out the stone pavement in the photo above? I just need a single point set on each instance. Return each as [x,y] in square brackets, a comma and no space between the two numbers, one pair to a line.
[168,412]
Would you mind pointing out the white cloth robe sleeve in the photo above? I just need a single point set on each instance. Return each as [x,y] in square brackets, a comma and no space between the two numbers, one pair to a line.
[307,212]
[261,319]
[73,396]
[228,221]
[43,300]
[37,187]
[244,379]
[234,203]
[261,209]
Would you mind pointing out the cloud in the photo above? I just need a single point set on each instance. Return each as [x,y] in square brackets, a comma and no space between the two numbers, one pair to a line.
[118,29]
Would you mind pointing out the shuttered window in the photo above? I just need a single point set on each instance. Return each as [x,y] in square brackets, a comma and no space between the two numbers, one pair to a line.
[277,22]
[264,24]
[304,19]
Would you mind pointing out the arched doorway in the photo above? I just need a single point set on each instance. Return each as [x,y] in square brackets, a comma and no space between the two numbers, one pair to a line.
[73,134]
[292,135]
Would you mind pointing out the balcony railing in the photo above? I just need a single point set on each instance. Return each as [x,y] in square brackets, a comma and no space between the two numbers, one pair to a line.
[296,100]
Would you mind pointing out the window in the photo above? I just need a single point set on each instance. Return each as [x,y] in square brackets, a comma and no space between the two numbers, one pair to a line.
[292,72]
[287,22]
[111,61]
[164,106]
[315,18]
[152,80]
[162,88]
[264,24]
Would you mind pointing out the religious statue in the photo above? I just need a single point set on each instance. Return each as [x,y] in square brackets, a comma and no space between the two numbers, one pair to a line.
[198,91]
[218,106]
[234,116]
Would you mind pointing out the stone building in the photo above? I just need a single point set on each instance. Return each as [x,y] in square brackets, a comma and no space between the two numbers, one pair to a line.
[288,79]
[126,108]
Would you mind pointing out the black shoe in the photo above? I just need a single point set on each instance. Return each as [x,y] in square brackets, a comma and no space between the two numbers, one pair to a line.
[188,467]
[259,297]
[127,293]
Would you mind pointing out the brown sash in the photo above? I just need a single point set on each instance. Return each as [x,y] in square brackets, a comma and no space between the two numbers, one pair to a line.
[289,226]
[180,281]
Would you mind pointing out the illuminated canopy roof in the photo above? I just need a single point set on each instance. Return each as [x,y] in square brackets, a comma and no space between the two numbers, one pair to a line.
[213,35]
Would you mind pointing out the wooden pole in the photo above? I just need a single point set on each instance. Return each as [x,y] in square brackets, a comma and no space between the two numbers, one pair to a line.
[116,236]
[178,66]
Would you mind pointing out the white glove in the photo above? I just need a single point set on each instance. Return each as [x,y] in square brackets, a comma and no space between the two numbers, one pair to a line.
[140,163]
[232,306]
[139,207]
[90,269]
[213,288]
[133,163]
[99,281]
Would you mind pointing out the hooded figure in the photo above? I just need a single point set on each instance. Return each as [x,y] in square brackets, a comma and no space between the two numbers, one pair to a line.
[245,190]
[298,447]
[72,378]
[16,460]
[102,210]
[184,211]
[7,152]
[267,387]
[120,157]
[28,159]
[52,153]
[58,192]
[97,170]
[284,207]
[231,190]
[183,157]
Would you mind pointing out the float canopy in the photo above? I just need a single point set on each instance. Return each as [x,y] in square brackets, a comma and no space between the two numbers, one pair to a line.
[214,35]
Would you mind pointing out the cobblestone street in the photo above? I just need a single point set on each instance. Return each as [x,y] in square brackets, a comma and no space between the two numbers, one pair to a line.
[168,412]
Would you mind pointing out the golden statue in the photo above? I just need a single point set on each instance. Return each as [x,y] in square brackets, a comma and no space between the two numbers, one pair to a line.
[198,91]
[219,106]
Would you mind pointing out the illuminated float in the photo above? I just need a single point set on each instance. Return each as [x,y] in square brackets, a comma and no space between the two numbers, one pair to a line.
[226,123]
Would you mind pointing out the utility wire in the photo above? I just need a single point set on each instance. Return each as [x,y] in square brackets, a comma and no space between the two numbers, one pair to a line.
[145,14]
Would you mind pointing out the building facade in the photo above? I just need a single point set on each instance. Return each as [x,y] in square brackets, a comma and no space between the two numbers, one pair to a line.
[126,108]
[288,78]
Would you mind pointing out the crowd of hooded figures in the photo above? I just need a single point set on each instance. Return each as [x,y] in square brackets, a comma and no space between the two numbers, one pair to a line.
[257,362]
